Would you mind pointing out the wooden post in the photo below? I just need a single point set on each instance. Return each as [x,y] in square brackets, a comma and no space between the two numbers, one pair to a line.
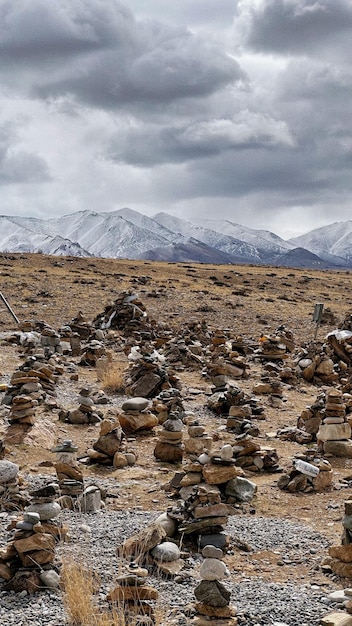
[9,308]
[317,316]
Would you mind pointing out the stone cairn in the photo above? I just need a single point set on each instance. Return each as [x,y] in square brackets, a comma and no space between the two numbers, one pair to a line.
[168,401]
[135,417]
[26,562]
[225,396]
[307,474]
[169,448]
[12,497]
[93,350]
[74,495]
[339,560]
[314,363]
[308,423]
[334,434]
[148,374]
[213,598]
[126,313]
[272,387]
[86,412]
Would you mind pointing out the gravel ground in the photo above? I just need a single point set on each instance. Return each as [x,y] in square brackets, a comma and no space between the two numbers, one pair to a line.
[94,538]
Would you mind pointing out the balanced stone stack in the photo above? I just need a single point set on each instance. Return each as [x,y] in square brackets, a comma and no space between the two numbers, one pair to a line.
[198,441]
[12,496]
[50,340]
[169,448]
[213,598]
[239,421]
[135,417]
[314,362]
[221,401]
[26,562]
[108,443]
[133,596]
[249,455]
[311,417]
[69,475]
[340,557]
[168,401]
[93,350]
[307,474]
[272,348]
[334,434]
[70,341]
[179,353]
[86,412]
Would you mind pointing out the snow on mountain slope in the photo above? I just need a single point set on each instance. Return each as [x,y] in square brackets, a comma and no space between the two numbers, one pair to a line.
[217,240]
[262,239]
[333,239]
[149,224]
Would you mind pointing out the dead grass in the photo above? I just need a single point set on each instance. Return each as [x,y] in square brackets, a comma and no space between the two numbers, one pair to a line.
[79,586]
[111,377]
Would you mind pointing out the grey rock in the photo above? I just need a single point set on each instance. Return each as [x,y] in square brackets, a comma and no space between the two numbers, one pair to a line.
[8,471]
[240,488]
[166,551]
[135,404]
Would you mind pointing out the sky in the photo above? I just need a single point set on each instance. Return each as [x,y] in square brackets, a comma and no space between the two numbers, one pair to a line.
[224,109]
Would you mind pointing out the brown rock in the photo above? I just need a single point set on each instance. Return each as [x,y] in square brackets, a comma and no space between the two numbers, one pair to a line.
[212,611]
[133,422]
[143,541]
[168,453]
[37,541]
[218,474]
[344,553]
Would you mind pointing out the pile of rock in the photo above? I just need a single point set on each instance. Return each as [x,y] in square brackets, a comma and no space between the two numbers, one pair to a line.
[69,475]
[26,562]
[12,496]
[272,387]
[135,417]
[334,434]
[311,417]
[239,421]
[250,456]
[314,363]
[272,347]
[168,401]
[307,474]
[93,350]
[198,441]
[133,596]
[213,598]
[50,340]
[179,353]
[340,557]
[221,401]
[86,412]
[79,325]
[148,375]
[126,313]
[169,448]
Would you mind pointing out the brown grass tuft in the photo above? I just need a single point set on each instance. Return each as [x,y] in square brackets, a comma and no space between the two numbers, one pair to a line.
[112,378]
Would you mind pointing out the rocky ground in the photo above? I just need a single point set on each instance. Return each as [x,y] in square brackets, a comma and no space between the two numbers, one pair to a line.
[279,539]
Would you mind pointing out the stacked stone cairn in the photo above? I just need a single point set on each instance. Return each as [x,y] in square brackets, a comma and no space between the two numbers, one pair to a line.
[148,374]
[12,496]
[112,447]
[135,416]
[168,401]
[340,557]
[334,434]
[86,412]
[271,386]
[26,562]
[70,341]
[74,495]
[169,448]
[272,347]
[180,353]
[132,596]
[314,363]
[226,396]
[308,423]
[93,350]
[213,598]
[126,313]
[248,454]
[307,474]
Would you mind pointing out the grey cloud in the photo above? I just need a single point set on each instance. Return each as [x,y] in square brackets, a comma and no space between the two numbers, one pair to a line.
[199,139]
[295,26]
[18,165]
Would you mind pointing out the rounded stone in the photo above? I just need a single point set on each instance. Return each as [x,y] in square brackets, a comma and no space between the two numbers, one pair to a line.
[135,404]
[213,569]
[47,510]
[204,458]
[8,471]
[226,452]
[50,578]
[166,551]
[211,552]
[168,524]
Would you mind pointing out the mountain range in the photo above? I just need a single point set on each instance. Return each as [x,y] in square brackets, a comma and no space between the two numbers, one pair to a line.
[126,233]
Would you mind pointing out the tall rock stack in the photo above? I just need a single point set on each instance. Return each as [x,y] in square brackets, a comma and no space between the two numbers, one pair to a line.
[50,340]
[168,401]
[69,475]
[108,443]
[340,557]
[334,435]
[148,373]
[86,412]
[213,598]
[169,448]
[12,497]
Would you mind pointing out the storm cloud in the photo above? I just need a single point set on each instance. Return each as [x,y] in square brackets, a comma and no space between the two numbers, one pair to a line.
[239,107]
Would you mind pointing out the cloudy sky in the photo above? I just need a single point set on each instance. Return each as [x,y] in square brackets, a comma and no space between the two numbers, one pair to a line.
[215,108]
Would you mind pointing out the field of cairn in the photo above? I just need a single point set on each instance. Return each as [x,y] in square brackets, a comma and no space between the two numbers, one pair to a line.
[234,315]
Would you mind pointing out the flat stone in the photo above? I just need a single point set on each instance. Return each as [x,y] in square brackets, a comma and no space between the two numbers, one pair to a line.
[170,568]
[134,592]
[337,619]
[344,553]
[131,423]
[334,432]
[47,511]
[339,448]
[135,404]
[218,474]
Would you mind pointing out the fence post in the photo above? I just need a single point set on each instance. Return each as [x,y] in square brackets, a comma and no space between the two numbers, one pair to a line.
[9,308]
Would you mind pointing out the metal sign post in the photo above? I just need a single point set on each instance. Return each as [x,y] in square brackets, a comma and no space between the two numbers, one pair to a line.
[9,308]
[317,316]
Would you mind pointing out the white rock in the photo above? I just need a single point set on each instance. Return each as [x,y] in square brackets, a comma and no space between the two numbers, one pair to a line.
[166,551]
[213,569]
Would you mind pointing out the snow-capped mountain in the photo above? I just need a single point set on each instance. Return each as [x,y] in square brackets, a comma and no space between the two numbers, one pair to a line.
[335,239]
[126,233]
